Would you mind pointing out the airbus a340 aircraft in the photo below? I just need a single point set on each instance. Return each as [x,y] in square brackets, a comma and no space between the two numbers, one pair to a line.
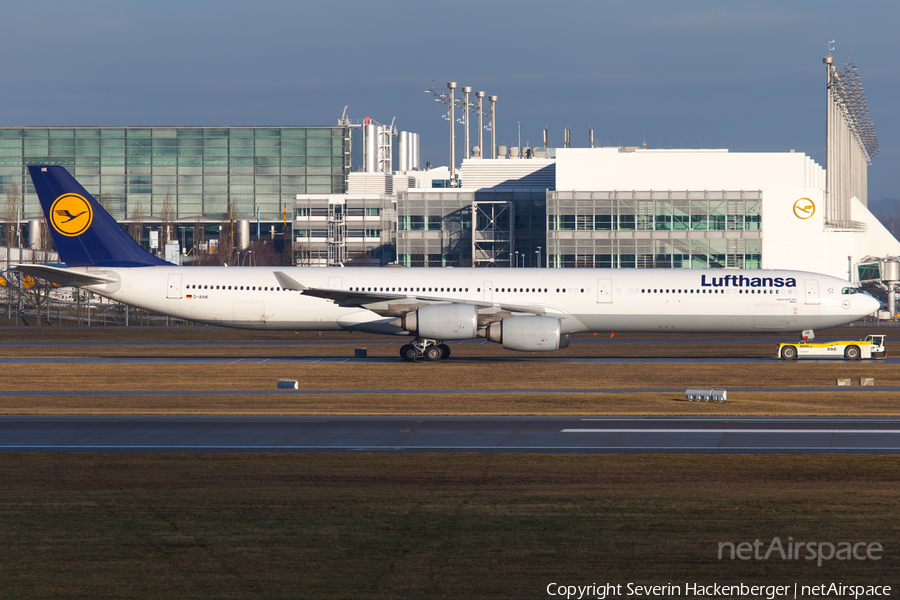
[523,309]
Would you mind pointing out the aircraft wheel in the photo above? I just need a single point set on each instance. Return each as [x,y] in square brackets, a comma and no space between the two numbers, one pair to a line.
[433,353]
[409,352]
[789,353]
[445,350]
[851,353]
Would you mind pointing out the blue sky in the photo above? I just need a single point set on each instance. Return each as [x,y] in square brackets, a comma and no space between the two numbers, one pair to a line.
[747,76]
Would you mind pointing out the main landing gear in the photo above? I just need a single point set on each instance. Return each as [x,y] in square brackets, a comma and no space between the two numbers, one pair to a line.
[430,350]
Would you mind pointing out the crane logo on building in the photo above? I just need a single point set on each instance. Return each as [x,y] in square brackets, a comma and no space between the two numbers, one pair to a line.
[804,208]
[71,215]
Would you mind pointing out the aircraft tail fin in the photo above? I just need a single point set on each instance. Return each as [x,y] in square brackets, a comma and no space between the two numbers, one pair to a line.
[84,233]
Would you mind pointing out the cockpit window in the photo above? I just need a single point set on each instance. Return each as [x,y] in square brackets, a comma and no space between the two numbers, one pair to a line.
[856,290]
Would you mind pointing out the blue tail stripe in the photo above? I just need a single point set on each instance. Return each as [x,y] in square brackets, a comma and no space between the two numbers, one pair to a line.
[104,243]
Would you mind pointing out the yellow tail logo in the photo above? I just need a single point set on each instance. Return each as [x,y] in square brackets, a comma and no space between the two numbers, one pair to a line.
[71,215]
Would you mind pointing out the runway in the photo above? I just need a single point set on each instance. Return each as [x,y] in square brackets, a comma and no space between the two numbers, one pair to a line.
[676,435]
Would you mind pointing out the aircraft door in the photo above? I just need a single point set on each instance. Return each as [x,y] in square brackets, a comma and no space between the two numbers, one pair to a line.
[604,291]
[488,291]
[174,286]
[812,291]
[334,283]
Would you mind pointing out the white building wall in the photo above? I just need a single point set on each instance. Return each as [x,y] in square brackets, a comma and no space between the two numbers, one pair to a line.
[641,169]
[877,240]
[424,178]
[789,242]
[514,172]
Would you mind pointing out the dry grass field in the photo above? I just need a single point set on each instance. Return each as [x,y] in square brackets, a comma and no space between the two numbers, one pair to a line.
[183,526]
[427,526]
[500,370]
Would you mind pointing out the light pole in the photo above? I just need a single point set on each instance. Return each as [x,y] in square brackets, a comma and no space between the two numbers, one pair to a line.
[517,259]
[538,252]
[466,91]
[493,101]
[480,96]
[452,86]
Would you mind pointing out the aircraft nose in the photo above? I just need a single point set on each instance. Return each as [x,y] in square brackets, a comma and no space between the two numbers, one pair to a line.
[871,305]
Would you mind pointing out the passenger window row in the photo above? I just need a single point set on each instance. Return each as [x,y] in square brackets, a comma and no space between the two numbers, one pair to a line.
[436,289]
[406,289]
[254,288]
[674,291]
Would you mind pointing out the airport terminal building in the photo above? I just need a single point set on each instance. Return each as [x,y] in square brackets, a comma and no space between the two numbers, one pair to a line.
[640,208]
[205,175]
[354,194]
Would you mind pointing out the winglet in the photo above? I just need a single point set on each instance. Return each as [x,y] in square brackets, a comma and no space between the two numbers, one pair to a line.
[289,283]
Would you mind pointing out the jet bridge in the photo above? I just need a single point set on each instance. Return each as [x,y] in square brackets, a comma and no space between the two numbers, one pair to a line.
[882,275]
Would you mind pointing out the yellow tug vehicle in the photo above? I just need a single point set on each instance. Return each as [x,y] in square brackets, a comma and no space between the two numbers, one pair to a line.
[870,348]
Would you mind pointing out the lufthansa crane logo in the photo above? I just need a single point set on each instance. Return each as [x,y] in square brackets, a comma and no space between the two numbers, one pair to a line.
[804,208]
[71,215]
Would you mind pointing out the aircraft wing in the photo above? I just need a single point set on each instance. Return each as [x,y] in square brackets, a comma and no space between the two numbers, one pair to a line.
[387,302]
[64,276]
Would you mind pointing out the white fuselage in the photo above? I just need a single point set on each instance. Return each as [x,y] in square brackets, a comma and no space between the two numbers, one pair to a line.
[637,300]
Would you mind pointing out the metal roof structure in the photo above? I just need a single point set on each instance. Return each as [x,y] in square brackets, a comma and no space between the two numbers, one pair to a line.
[848,94]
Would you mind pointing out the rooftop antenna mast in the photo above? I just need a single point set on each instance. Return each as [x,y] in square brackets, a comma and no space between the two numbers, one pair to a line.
[448,99]
[480,111]
[493,100]
[466,106]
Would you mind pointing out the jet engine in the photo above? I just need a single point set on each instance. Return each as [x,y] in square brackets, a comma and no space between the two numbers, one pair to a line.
[528,333]
[442,321]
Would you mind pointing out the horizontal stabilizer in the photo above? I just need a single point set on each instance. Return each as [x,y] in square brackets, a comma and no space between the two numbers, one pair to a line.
[64,276]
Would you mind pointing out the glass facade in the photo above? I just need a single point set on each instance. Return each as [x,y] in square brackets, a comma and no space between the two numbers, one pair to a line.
[435,227]
[201,170]
[702,229]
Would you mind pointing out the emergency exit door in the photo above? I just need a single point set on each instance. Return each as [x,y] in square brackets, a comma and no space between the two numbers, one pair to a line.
[812,291]
[174,286]
[604,291]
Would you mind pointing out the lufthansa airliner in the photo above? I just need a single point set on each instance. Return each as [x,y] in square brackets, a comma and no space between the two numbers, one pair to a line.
[522,309]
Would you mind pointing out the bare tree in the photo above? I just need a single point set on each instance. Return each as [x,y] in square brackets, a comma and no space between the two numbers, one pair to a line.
[105,202]
[36,293]
[11,212]
[46,239]
[301,256]
[418,256]
[269,253]
[137,221]
[199,236]
[226,237]
[363,258]
[167,217]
